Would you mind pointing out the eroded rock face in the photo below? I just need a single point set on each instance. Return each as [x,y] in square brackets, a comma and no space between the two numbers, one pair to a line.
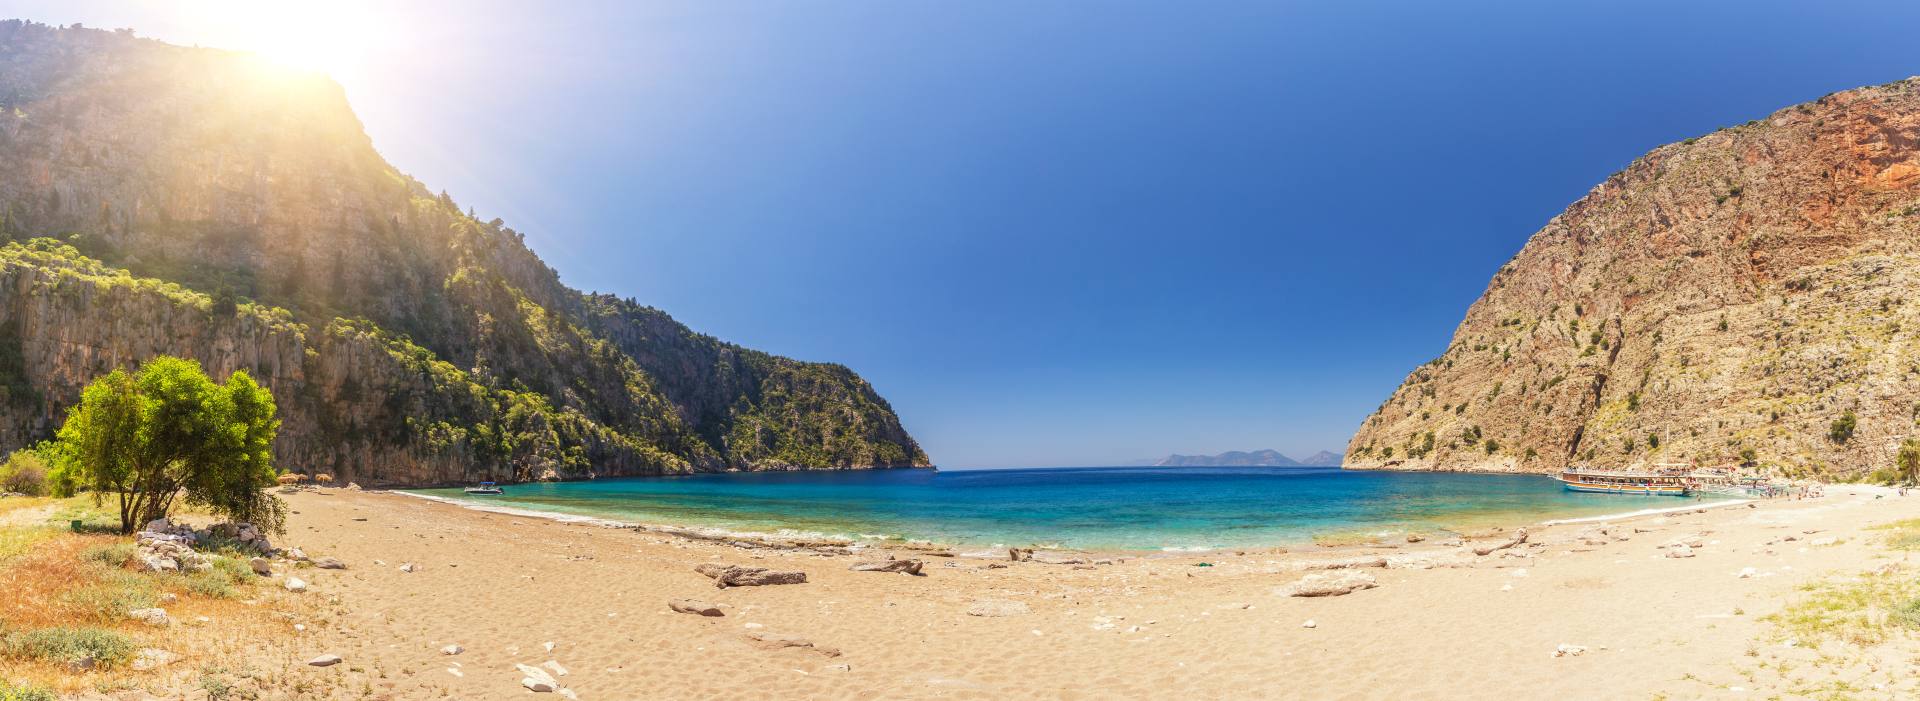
[177,172]
[1731,296]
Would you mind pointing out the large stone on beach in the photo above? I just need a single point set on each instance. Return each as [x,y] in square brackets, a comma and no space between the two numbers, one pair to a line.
[324,661]
[995,608]
[695,607]
[537,679]
[906,566]
[1337,583]
[296,584]
[736,576]
[776,641]
[151,616]
[328,563]
[261,566]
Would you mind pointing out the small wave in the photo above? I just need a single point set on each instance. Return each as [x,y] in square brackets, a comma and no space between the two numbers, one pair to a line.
[704,531]
[1187,549]
[1647,512]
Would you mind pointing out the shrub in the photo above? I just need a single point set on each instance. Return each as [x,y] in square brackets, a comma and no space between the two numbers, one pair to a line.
[115,555]
[1906,615]
[24,692]
[218,583]
[109,599]
[106,647]
[25,473]
[1841,430]
[209,584]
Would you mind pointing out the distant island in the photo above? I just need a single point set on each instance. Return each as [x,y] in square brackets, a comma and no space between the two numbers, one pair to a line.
[1258,458]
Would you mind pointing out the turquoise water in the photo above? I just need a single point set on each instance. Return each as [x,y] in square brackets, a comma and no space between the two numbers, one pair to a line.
[1105,508]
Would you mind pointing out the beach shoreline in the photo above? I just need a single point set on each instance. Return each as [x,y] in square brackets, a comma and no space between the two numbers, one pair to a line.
[1203,625]
[1329,539]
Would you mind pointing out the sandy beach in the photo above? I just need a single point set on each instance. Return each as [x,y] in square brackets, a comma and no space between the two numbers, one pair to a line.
[1442,622]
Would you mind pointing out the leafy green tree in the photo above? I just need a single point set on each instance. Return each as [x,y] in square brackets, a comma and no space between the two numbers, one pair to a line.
[225,304]
[166,430]
[1909,461]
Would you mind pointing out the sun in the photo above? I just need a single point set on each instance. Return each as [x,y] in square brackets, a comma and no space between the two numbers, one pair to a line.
[320,37]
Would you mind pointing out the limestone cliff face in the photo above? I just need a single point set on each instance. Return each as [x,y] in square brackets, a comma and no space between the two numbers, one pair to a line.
[1738,297]
[407,341]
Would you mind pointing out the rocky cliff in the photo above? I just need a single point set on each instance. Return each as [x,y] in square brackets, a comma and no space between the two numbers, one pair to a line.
[1747,296]
[160,199]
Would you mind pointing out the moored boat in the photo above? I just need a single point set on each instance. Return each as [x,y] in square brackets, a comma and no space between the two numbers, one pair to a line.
[486,488]
[1577,479]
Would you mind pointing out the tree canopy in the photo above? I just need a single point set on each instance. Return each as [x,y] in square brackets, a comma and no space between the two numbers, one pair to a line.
[166,430]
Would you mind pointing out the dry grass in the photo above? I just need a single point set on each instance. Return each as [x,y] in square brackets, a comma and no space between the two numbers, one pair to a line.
[1903,535]
[1873,618]
[66,595]
[1865,611]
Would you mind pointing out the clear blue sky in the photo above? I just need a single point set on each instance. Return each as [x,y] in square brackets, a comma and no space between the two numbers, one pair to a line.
[1062,233]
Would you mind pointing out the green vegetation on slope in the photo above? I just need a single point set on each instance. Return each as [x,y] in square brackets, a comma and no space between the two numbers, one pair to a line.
[244,220]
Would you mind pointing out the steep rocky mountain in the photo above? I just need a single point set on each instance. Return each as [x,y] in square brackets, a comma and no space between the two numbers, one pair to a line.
[1747,296]
[161,199]
[1232,458]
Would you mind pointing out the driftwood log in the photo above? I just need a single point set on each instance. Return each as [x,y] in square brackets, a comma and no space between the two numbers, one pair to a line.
[1519,537]
[736,576]
[907,566]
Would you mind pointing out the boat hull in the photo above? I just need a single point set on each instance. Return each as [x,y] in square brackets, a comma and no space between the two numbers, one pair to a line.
[1661,490]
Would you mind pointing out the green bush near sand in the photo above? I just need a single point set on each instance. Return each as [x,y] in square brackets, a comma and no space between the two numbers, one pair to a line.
[115,555]
[24,472]
[1907,615]
[1860,612]
[219,582]
[1905,535]
[105,647]
[24,692]
[109,598]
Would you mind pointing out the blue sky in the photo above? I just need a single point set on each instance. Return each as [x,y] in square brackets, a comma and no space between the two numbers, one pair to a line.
[1057,233]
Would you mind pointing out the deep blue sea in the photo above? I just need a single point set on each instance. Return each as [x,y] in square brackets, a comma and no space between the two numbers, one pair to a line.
[1128,508]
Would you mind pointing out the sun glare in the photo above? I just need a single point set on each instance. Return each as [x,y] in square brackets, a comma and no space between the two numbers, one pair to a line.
[323,37]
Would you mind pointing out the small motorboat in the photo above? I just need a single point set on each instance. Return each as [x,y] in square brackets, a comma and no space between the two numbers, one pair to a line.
[486,488]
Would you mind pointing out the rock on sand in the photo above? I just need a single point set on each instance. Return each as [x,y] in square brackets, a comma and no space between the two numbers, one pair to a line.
[1335,583]
[695,606]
